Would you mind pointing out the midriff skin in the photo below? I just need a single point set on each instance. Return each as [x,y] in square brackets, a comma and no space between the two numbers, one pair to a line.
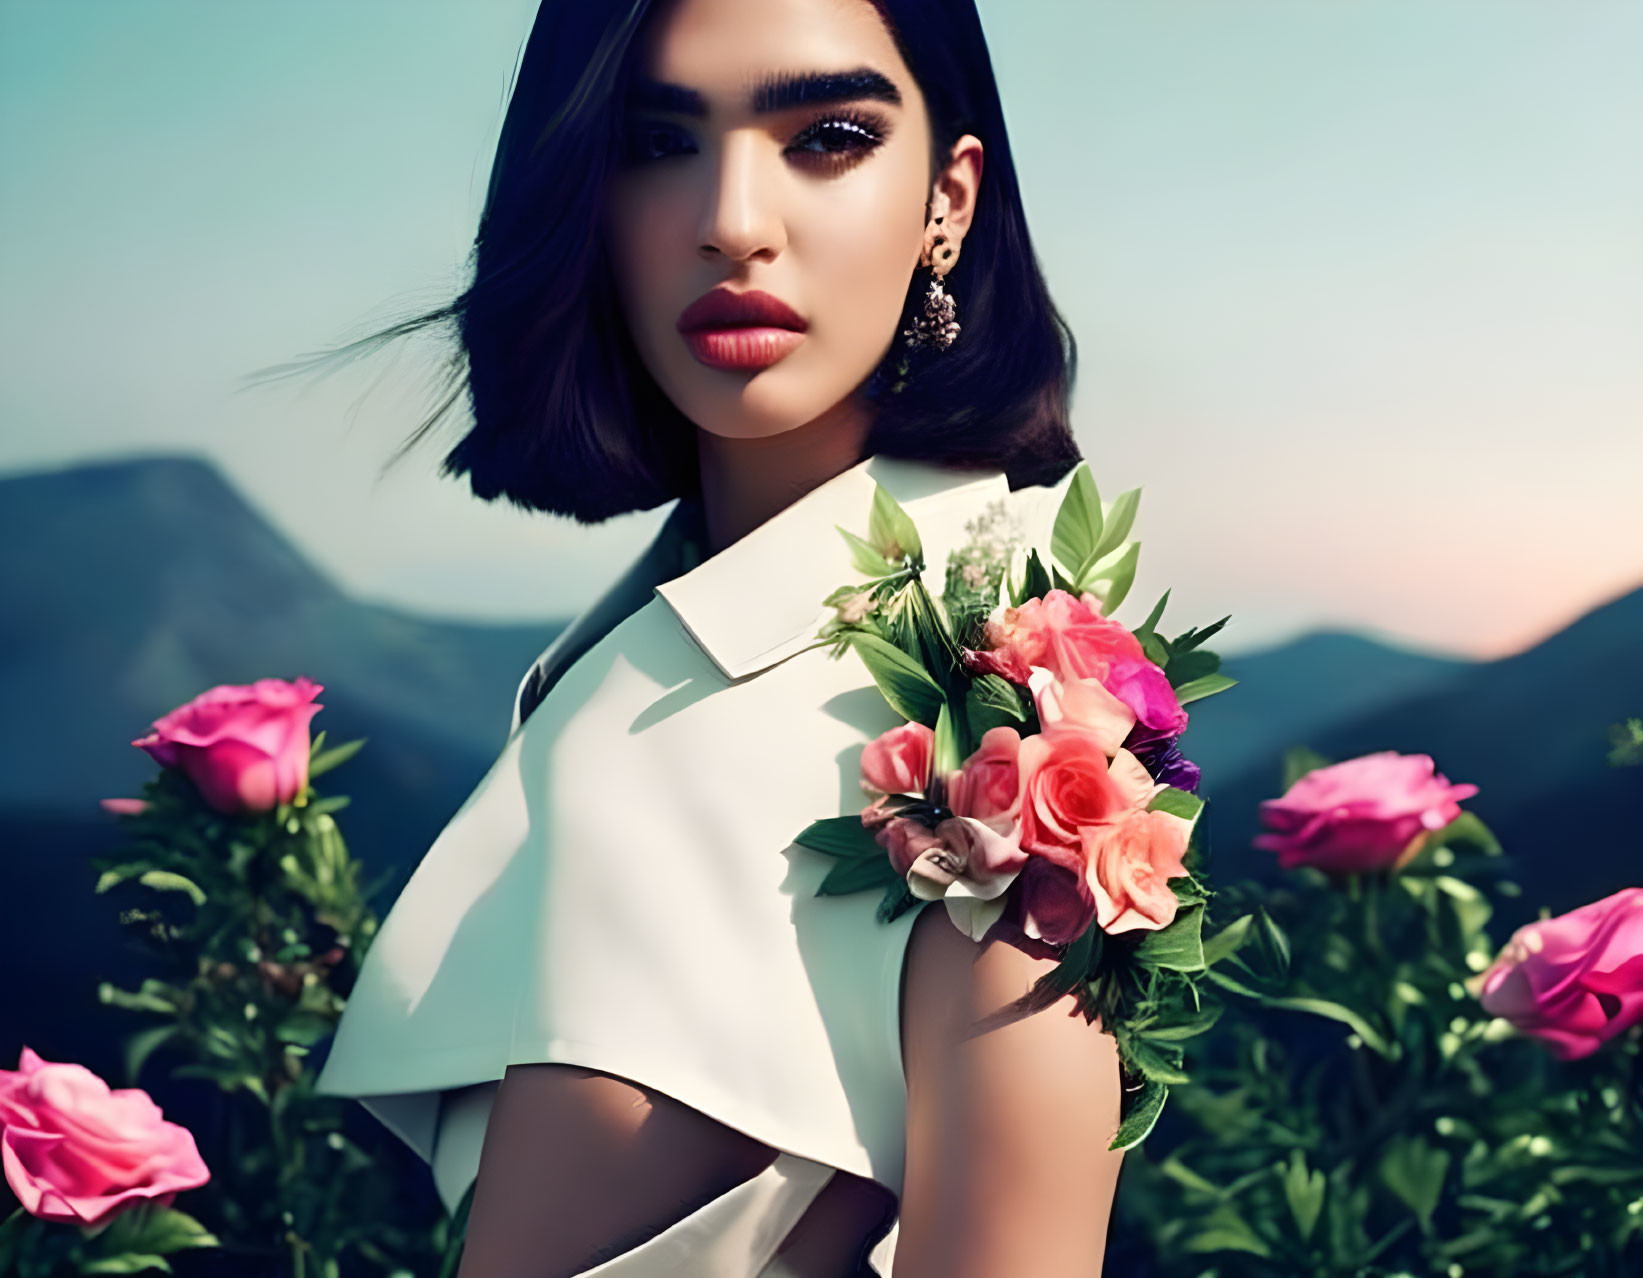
[560,1137]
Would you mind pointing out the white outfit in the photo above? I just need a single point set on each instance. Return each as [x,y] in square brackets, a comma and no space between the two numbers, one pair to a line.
[622,891]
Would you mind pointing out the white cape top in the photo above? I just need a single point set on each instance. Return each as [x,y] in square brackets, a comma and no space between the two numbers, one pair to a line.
[622,892]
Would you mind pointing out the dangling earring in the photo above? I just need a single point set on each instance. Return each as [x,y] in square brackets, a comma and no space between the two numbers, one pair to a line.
[938,326]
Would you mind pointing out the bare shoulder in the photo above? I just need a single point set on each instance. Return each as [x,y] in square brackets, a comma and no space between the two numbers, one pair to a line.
[1008,1169]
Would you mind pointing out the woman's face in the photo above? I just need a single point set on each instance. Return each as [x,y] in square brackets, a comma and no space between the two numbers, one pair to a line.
[737,176]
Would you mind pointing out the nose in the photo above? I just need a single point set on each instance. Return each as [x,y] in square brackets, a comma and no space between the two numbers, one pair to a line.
[740,218]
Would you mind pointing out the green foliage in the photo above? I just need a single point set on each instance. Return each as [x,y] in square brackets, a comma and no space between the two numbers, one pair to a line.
[1626,743]
[1358,1113]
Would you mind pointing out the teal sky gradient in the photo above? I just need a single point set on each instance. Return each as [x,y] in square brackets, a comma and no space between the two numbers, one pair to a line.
[1358,287]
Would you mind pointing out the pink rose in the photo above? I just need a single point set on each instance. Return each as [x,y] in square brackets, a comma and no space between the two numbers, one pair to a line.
[898,761]
[1069,637]
[988,786]
[1368,813]
[1574,981]
[245,747]
[76,1152]
[1082,703]
[1131,861]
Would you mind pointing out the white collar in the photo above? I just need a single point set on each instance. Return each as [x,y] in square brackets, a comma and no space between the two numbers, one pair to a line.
[759,600]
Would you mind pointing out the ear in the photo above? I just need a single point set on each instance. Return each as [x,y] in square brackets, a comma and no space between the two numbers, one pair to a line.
[953,194]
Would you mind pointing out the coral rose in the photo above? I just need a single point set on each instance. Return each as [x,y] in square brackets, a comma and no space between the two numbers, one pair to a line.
[76,1152]
[244,746]
[1574,981]
[1368,813]
[1067,783]
[1131,861]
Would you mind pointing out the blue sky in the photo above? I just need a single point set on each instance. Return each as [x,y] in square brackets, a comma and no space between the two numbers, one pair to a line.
[1358,287]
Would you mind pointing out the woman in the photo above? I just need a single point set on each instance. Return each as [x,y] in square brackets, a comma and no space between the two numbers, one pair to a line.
[712,266]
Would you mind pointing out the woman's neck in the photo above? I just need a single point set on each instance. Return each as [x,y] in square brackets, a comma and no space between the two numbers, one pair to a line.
[746,481]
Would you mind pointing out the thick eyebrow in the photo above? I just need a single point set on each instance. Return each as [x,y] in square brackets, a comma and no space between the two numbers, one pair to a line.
[775,91]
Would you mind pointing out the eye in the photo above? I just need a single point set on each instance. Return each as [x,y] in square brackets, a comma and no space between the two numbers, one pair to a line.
[844,134]
[643,142]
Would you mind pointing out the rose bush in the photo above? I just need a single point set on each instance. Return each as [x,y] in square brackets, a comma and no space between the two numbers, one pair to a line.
[244,746]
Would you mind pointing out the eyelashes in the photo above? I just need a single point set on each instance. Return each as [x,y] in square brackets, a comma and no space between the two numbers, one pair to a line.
[833,141]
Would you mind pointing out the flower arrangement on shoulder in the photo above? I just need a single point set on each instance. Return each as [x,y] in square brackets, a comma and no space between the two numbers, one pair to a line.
[1036,787]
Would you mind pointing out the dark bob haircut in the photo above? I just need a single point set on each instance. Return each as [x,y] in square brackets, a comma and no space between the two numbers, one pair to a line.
[565,416]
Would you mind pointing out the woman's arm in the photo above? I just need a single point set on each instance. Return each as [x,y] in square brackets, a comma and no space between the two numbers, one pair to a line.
[1008,1170]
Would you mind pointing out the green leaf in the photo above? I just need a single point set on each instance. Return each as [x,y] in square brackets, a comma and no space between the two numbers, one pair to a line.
[864,557]
[1471,907]
[321,763]
[117,874]
[1414,1171]
[1197,689]
[1078,523]
[323,807]
[1182,803]
[1145,630]
[1178,947]
[1192,638]
[842,836]
[1274,944]
[1120,518]
[153,996]
[1117,571]
[1338,1012]
[1304,1191]
[890,528]
[141,1045]
[1223,1229]
[168,1230]
[947,754]
[1158,1062]
[906,685]
[858,874]
[992,702]
[1190,1027]
[11,1239]
[168,881]
[1186,666]
[1468,827]
[304,1028]
[132,1262]
[1140,1113]
[1227,940]
[1035,580]
[898,899]
[459,1233]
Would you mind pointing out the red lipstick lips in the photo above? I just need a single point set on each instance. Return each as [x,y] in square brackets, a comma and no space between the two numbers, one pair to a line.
[740,331]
